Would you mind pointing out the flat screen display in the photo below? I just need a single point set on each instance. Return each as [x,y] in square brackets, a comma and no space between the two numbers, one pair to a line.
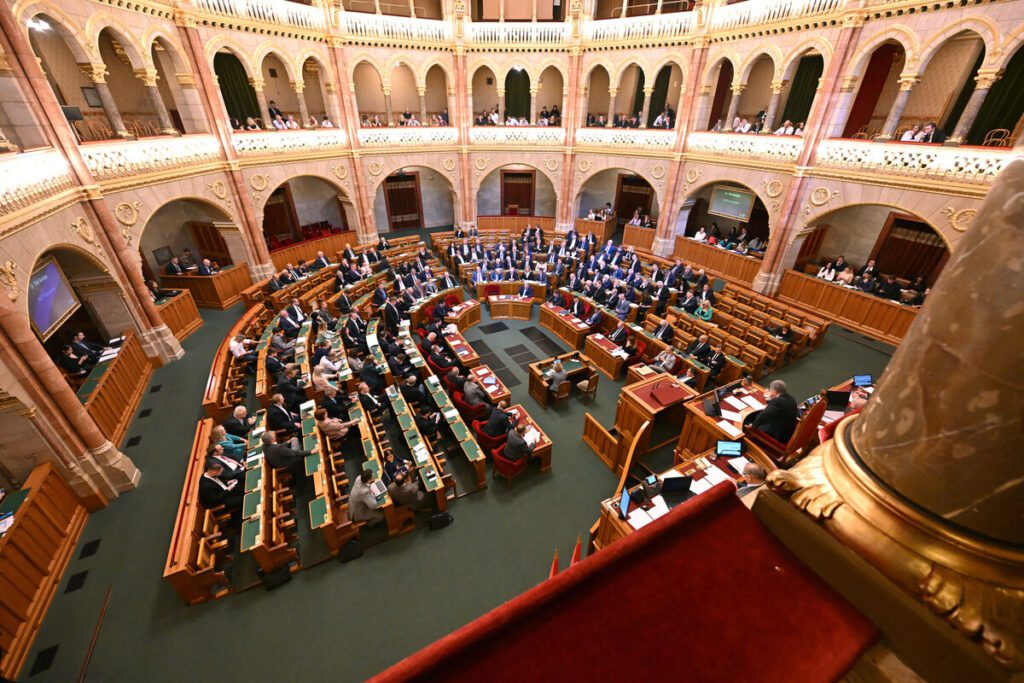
[624,503]
[731,202]
[863,380]
[51,300]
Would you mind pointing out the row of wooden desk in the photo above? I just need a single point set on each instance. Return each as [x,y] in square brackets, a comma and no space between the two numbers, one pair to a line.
[220,290]
[575,364]
[564,324]
[510,306]
[486,290]
[113,389]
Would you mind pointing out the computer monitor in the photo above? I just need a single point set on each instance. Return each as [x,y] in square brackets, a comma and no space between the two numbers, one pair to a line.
[863,380]
[837,400]
[729,449]
[624,503]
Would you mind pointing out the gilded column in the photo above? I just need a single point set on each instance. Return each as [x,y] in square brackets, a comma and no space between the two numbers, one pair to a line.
[299,88]
[645,110]
[892,121]
[927,483]
[734,105]
[422,92]
[261,102]
[97,74]
[389,111]
[612,96]
[983,82]
[773,106]
[148,78]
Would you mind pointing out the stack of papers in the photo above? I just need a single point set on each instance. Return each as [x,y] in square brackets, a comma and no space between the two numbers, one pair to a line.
[738,464]
[639,518]
[488,380]
[735,403]
[532,436]
[729,429]
[658,507]
[699,487]
[713,476]
[731,416]
[754,403]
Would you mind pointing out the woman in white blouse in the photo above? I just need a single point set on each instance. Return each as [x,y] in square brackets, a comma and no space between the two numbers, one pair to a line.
[828,272]
[701,235]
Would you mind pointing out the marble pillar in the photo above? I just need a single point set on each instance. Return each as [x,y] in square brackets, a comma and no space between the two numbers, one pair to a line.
[148,78]
[983,83]
[261,102]
[533,106]
[389,110]
[422,93]
[501,106]
[773,107]
[892,121]
[97,73]
[645,109]
[299,88]
[927,482]
[613,94]
[734,105]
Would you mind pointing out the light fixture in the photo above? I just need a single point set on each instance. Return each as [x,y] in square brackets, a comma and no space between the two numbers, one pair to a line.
[517,67]
[37,25]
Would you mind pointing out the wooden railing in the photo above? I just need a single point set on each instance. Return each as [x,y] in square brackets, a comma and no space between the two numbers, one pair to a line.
[221,290]
[879,318]
[729,264]
[641,238]
[180,315]
[516,224]
[601,441]
[602,229]
[116,395]
[306,251]
[34,553]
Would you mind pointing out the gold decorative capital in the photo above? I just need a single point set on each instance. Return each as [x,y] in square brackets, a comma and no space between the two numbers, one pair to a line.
[97,73]
[147,76]
[908,82]
[738,88]
[986,78]
[9,280]
[257,84]
[298,87]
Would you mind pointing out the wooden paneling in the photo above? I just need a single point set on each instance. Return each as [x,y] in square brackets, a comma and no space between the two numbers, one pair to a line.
[603,230]
[516,224]
[113,401]
[865,313]
[210,243]
[34,553]
[221,290]
[737,267]
[306,251]
[180,315]
[641,238]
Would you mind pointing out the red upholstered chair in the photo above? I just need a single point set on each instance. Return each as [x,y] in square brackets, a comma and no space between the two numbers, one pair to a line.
[452,388]
[452,300]
[428,314]
[422,334]
[806,429]
[502,467]
[469,412]
[492,290]
[487,442]
[435,368]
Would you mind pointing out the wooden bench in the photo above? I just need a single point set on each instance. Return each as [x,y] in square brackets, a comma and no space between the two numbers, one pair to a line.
[198,544]
[815,325]
[226,385]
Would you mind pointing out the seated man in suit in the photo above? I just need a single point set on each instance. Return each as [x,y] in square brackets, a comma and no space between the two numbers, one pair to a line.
[82,347]
[715,360]
[753,478]
[778,419]
[239,423]
[321,261]
[619,334]
[280,418]
[362,504]
[691,303]
[213,491]
[335,405]
[404,491]
[441,359]
[440,310]
[175,267]
[517,448]
[287,456]
[392,317]
[413,391]
[622,308]
[699,348]
[665,361]
[595,318]
[372,375]
[370,403]
[664,332]
[279,342]
[233,469]
[526,289]
[291,387]
[428,420]
[500,420]
[288,325]
[207,268]
[473,394]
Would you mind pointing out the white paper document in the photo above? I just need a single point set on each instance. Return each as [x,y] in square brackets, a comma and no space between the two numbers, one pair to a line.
[658,507]
[731,416]
[699,487]
[639,518]
[532,436]
[729,429]
[735,403]
[753,403]
[715,476]
[738,464]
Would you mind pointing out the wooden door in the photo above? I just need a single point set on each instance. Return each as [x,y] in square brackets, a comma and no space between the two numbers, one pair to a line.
[280,220]
[517,193]
[403,202]
[632,192]
[209,242]
[908,247]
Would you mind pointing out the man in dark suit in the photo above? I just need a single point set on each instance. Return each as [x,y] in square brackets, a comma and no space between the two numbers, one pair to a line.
[715,360]
[239,423]
[321,261]
[447,282]
[706,294]
[517,448]
[81,347]
[392,318]
[931,133]
[690,303]
[295,311]
[175,267]
[289,386]
[371,376]
[344,304]
[213,491]
[281,418]
[233,469]
[440,310]
[275,284]
[334,406]
[370,403]
[526,290]
[288,325]
[778,419]
[664,332]
[500,420]
[619,334]
[206,268]
[699,348]
[428,420]
[412,391]
[285,455]
[273,364]
[380,295]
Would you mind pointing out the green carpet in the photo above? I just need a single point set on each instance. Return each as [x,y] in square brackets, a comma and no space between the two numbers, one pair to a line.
[346,621]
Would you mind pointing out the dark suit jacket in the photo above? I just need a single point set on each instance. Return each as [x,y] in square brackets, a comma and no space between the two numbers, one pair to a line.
[778,419]
[664,332]
[174,269]
[367,402]
[283,455]
[212,494]
[203,270]
[516,447]
[276,419]
[333,407]
[232,425]
[290,389]
[391,316]
[497,423]
[698,349]
[274,366]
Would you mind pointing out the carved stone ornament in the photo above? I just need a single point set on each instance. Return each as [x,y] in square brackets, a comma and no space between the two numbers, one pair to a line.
[259,182]
[448,164]
[218,189]
[657,171]
[81,227]
[9,280]
[959,220]
[693,175]
[376,168]
[551,164]
[822,195]
[127,213]
[987,607]
[340,170]
[584,165]
[773,188]
[481,163]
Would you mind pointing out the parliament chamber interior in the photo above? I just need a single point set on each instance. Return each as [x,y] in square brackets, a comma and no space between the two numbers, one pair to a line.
[297,299]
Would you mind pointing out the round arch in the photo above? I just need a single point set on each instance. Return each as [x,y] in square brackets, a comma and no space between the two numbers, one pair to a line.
[305,206]
[711,72]
[981,27]
[269,49]
[602,187]
[792,59]
[169,230]
[73,35]
[223,43]
[422,197]
[488,190]
[761,223]
[898,34]
[104,22]
[771,52]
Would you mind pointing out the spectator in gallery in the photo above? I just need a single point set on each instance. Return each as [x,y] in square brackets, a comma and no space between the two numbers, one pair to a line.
[250,124]
[326,122]
[275,113]
[291,123]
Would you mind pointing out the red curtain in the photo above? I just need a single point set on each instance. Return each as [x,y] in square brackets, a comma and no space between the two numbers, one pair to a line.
[871,84]
[907,253]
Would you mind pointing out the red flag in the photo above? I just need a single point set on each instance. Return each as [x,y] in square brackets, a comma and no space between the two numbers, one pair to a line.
[576,551]
[554,565]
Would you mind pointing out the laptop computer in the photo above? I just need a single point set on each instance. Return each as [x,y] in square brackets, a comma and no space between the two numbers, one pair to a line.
[837,400]
[676,490]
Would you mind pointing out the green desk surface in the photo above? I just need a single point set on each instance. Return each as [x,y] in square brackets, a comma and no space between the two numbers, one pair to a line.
[308,425]
[251,503]
[405,422]
[253,479]
[85,391]
[368,449]
[255,439]
[460,430]
[431,484]
[312,464]
[13,500]
[310,442]
[472,450]
[250,534]
[697,364]
[263,343]
[318,512]
[571,365]
[737,361]
[373,466]
[306,410]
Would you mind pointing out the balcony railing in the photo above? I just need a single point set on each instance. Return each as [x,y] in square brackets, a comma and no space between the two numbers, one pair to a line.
[970,165]
[269,11]
[320,142]
[408,136]
[509,32]
[517,135]
[633,138]
[638,28]
[769,11]
[128,159]
[31,178]
[382,26]
[784,149]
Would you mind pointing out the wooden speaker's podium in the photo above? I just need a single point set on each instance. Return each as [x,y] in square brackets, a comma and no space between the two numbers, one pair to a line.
[660,399]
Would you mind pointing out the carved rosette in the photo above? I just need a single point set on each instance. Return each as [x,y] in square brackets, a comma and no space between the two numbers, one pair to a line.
[960,219]
[9,280]
[127,214]
[977,588]
[82,228]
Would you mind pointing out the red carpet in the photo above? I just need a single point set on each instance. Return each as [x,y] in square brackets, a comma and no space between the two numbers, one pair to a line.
[703,594]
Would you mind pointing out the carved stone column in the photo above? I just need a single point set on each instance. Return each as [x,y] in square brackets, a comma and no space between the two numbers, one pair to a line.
[298,88]
[983,82]
[412,9]
[533,106]
[657,10]
[148,78]
[422,92]
[261,102]
[645,110]
[389,110]
[927,483]
[97,74]
[773,106]
[734,105]
[892,121]
[613,94]
[501,106]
